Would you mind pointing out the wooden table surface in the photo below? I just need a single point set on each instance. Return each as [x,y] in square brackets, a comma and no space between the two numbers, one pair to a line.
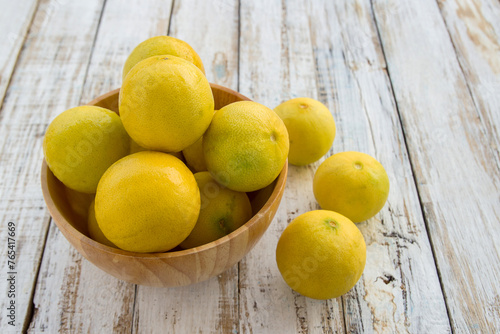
[415,83]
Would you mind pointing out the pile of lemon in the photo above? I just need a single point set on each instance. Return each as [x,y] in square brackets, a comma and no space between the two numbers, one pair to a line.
[170,171]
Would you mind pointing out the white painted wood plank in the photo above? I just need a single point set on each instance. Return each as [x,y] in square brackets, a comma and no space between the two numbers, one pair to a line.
[15,20]
[45,82]
[400,282]
[72,295]
[211,28]
[276,64]
[474,28]
[457,173]
[352,82]
[71,290]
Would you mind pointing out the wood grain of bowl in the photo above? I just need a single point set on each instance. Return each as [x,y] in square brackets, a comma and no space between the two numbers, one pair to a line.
[169,269]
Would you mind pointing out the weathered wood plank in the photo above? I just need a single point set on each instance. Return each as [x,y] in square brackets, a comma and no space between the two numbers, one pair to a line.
[15,20]
[211,28]
[71,290]
[45,82]
[351,80]
[400,281]
[474,29]
[457,173]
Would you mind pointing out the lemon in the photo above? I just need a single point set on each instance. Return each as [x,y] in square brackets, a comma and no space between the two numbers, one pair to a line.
[353,184]
[162,45]
[245,146]
[134,148]
[94,230]
[222,212]
[311,129]
[79,202]
[147,202]
[165,103]
[321,254]
[81,143]
[194,156]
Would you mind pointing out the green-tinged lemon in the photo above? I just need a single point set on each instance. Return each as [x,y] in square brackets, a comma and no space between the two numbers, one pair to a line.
[246,146]
[222,211]
[81,143]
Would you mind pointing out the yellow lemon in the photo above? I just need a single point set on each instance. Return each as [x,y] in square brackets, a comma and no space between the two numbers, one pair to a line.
[245,146]
[94,229]
[194,156]
[311,129]
[134,148]
[321,254]
[162,45]
[165,103]
[353,184]
[147,202]
[222,212]
[81,143]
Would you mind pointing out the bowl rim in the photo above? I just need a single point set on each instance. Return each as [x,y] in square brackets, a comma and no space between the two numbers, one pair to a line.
[64,224]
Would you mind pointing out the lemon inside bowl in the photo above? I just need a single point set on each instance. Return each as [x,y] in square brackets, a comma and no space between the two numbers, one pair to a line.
[173,268]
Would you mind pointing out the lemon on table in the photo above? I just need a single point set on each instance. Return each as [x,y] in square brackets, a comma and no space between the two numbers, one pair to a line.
[94,230]
[147,202]
[81,143]
[165,103]
[311,129]
[194,156]
[353,184]
[162,45]
[321,254]
[222,212]
[245,146]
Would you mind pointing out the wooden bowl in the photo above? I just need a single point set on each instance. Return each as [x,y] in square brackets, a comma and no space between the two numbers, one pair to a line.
[174,268]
